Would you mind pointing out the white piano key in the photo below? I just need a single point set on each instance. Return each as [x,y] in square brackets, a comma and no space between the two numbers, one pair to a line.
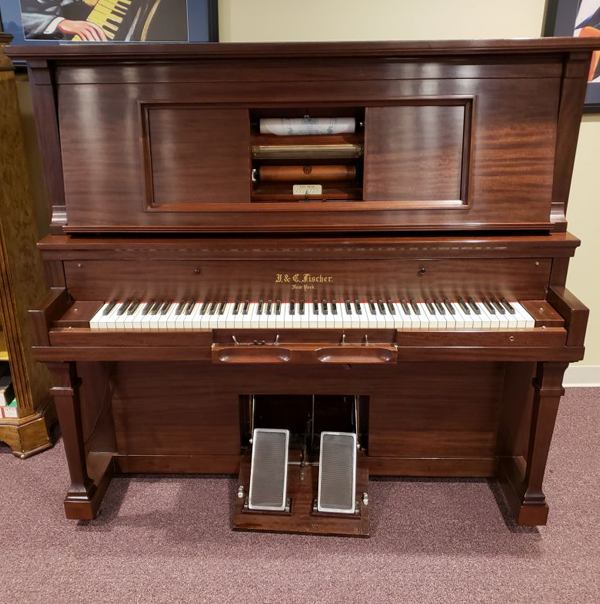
[97,320]
[464,320]
[422,317]
[114,316]
[449,317]
[503,317]
[253,317]
[434,321]
[492,320]
[409,319]
[302,311]
[481,319]
[242,321]
[229,320]
[528,321]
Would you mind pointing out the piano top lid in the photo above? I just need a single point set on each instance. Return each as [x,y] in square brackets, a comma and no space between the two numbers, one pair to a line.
[252,50]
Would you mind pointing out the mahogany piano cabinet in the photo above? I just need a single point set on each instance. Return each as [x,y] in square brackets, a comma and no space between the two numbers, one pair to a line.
[257,247]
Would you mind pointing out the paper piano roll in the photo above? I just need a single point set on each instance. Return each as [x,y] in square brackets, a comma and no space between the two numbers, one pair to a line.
[306,173]
[307,125]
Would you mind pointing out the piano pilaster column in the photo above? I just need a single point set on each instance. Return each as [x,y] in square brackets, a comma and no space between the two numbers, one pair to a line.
[65,391]
[548,390]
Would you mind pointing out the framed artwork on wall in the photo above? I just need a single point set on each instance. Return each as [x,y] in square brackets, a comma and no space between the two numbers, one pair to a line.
[90,21]
[579,18]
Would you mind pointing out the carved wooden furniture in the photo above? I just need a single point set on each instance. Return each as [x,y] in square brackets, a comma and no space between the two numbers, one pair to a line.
[454,188]
[22,281]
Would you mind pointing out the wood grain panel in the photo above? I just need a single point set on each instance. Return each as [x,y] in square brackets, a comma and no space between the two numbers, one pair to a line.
[414,153]
[454,414]
[195,156]
[520,279]
[193,408]
[511,164]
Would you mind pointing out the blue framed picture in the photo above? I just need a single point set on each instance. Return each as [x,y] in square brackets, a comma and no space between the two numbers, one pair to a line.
[580,18]
[89,21]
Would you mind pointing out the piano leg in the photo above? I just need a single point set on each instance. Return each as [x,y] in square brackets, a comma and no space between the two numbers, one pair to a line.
[524,493]
[89,478]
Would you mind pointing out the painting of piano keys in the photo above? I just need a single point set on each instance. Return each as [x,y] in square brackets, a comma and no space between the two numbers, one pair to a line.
[106,21]
[579,18]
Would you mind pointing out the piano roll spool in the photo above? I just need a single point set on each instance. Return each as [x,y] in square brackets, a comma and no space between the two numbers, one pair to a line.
[306,174]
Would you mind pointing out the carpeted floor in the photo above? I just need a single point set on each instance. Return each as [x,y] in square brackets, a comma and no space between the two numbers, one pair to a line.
[167,540]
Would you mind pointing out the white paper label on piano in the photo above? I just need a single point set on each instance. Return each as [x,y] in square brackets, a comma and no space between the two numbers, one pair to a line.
[307,125]
[307,190]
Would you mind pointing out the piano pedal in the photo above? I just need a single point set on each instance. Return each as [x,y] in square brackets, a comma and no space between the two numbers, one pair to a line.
[337,474]
[268,470]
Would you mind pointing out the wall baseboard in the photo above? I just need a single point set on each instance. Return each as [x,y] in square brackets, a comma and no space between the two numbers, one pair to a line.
[582,376]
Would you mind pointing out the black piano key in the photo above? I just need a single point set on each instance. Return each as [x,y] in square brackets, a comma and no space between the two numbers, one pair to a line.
[498,306]
[269,307]
[324,306]
[259,310]
[236,307]
[222,308]
[109,308]
[278,307]
[449,306]
[301,307]
[415,307]
[123,307]
[391,308]
[133,307]
[114,29]
[213,307]
[292,307]
[489,306]
[156,307]
[348,307]
[120,12]
[440,307]
[165,308]
[381,307]
[315,307]
[357,307]
[372,307]
[473,306]
[509,307]
[180,307]
[464,306]
[113,23]
[405,307]
[334,309]
[189,307]
[430,307]
[148,306]
[246,307]
[205,306]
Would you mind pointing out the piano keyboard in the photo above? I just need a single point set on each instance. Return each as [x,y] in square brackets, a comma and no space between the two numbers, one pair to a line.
[461,314]
[113,16]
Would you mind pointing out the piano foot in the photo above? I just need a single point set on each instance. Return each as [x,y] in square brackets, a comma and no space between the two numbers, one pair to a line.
[85,505]
[90,474]
[523,511]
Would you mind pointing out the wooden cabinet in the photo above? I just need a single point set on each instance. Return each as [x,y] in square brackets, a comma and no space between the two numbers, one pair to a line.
[22,283]
[138,140]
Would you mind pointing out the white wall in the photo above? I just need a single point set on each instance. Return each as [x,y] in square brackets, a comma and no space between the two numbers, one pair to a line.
[314,20]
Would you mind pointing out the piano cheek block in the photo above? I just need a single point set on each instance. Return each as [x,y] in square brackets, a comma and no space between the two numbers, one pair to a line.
[357,355]
[251,354]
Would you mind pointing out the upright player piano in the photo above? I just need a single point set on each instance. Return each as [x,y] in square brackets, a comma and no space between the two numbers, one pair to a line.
[309,265]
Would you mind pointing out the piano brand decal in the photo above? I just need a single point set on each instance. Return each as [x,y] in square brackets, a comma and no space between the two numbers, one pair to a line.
[303,281]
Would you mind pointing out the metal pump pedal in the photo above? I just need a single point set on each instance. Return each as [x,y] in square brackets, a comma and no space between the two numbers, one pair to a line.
[337,473]
[268,470]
